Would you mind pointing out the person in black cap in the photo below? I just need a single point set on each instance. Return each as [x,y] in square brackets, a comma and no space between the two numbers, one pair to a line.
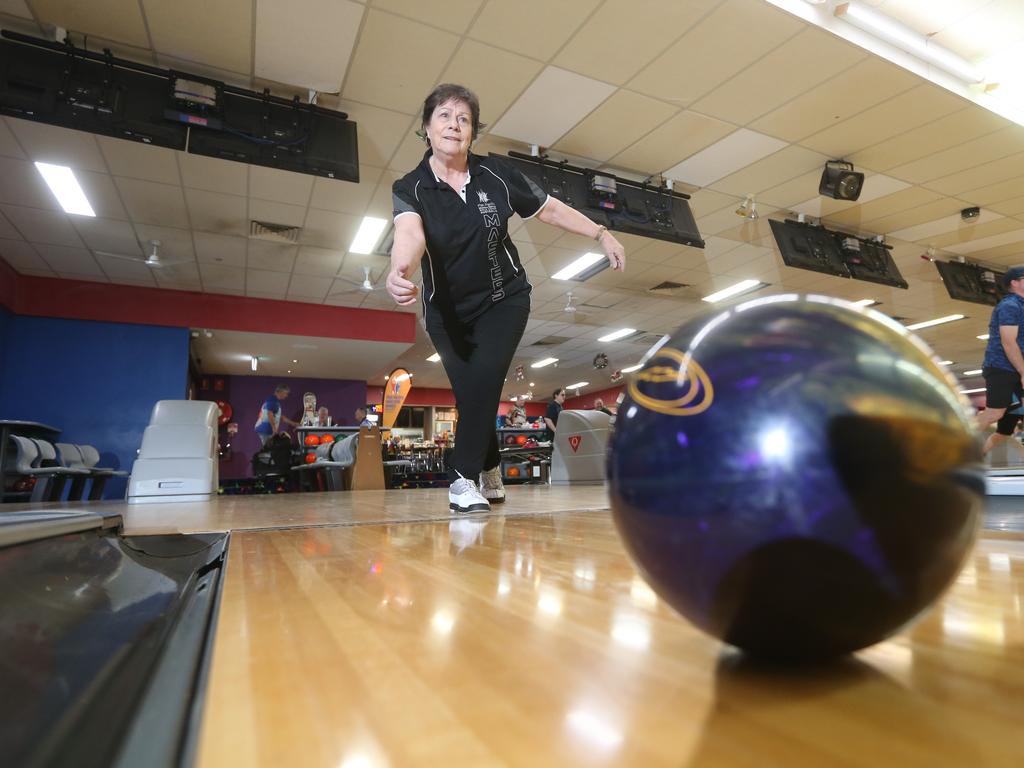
[452,212]
[1003,366]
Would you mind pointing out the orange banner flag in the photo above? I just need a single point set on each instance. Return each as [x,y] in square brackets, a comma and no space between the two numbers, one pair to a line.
[395,391]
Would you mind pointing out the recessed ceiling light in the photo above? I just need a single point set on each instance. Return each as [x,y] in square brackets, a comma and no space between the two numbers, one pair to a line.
[619,334]
[65,187]
[975,372]
[368,235]
[532,384]
[544,362]
[577,385]
[295,361]
[945,362]
[581,264]
[434,358]
[983,337]
[936,321]
[733,290]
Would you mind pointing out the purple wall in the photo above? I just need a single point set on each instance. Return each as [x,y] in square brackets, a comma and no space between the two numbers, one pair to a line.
[247,393]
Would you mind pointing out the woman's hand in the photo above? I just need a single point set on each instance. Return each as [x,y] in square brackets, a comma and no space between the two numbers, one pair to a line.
[613,250]
[401,290]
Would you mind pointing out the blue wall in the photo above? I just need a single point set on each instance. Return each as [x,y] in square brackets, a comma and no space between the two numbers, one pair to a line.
[97,382]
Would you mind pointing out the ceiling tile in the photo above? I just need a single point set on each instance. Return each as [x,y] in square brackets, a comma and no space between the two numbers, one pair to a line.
[309,287]
[21,255]
[496,85]
[995,193]
[792,192]
[215,212]
[1012,207]
[1010,237]
[277,213]
[213,174]
[314,55]
[271,257]
[626,29]
[455,17]
[329,230]
[345,196]
[797,65]
[69,261]
[734,36]
[736,150]
[280,186]
[672,142]
[555,102]
[940,226]
[317,261]
[763,174]
[102,195]
[968,154]
[981,230]
[980,175]
[8,144]
[377,76]
[60,146]
[187,29]
[15,8]
[379,132]
[175,244]
[108,235]
[116,19]
[136,160]
[899,201]
[126,271]
[535,28]
[220,249]
[219,277]
[908,110]
[39,226]
[7,230]
[934,136]
[617,123]
[151,203]
[889,222]
[21,184]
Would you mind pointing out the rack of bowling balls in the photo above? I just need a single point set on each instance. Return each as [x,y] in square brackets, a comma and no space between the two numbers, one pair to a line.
[523,458]
[313,440]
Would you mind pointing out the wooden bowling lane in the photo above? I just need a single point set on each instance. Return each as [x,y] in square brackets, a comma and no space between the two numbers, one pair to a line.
[530,641]
[303,510]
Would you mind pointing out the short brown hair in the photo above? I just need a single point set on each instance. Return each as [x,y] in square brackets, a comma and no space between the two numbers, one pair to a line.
[444,93]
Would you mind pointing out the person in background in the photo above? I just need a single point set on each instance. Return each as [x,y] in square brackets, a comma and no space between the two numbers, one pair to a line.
[1003,366]
[516,417]
[361,419]
[323,417]
[269,422]
[554,408]
[599,406]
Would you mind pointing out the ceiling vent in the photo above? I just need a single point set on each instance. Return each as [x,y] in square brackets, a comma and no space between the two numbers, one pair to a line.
[274,233]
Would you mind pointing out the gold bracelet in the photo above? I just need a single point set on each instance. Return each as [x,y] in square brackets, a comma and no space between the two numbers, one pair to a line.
[601,229]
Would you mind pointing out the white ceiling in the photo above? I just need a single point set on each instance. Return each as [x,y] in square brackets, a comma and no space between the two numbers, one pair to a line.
[728,97]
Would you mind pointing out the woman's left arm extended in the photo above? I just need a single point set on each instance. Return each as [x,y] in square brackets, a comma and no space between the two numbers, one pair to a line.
[561,215]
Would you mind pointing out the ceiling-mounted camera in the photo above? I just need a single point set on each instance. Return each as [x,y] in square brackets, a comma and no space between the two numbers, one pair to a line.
[967,214]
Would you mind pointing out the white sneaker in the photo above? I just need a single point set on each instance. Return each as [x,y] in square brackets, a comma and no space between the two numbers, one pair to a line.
[464,497]
[491,486]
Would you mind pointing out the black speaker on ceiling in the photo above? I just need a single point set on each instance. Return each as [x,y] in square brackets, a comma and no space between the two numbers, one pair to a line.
[840,181]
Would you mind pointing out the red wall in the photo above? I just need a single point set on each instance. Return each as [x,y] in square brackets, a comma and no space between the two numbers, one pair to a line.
[586,402]
[445,397]
[8,286]
[82,300]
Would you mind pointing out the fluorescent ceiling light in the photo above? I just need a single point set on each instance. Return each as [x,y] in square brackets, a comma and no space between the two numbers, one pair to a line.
[733,290]
[945,362]
[865,303]
[936,321]
[577,385]
[434,358]
[581,264]
[544,362]
[368,235]
[908,40]
[971,391]
[975,372]
[403,377]
[983,337]
[632,368]
[619,334]
[65,187]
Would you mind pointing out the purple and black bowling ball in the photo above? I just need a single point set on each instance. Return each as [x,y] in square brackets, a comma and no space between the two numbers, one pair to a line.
[796,476]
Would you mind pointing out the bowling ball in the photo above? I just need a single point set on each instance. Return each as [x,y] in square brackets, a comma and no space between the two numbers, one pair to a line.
[311,440]
[326,439]
[510,440]
[520,439]
[512,472]
[795,475]
[310,458]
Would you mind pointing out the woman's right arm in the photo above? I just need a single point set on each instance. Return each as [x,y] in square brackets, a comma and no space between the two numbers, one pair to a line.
[406,252]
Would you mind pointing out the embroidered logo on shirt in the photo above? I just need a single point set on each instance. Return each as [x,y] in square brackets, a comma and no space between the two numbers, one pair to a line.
[483,197]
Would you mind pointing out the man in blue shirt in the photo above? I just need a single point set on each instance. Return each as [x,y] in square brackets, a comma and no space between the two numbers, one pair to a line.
[1003,366]
[269,422]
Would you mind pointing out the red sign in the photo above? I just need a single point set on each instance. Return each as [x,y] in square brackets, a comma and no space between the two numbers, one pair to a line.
[574,442]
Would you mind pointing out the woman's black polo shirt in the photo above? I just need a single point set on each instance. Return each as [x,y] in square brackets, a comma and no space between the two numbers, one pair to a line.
[470,262]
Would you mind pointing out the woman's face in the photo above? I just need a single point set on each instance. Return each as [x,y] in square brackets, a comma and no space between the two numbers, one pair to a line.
[450,129]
